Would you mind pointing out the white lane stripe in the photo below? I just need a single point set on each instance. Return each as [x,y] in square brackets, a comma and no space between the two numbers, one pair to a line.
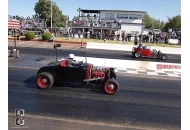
[166,77]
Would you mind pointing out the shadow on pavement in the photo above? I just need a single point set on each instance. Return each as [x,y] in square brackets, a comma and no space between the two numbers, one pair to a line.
[31,83]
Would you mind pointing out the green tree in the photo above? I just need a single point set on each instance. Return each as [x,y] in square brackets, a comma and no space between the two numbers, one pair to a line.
[156,23]
[162,25]
[174,22]
[152,23]
[43,11]
[147,20]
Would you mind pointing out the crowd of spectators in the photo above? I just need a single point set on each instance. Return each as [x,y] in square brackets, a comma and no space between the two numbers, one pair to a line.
[37,25]
[151,37]
[95,22]
[161,37]
[97,34]
[28,24]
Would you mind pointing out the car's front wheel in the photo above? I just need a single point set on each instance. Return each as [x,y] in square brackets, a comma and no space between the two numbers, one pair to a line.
[111,86]
[137,54]
[44,80]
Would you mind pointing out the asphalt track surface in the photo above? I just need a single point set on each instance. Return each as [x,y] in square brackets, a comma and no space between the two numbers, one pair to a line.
[147,103]
[124,55]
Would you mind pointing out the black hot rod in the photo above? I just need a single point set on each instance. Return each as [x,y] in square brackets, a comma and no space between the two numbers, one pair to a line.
[83,73]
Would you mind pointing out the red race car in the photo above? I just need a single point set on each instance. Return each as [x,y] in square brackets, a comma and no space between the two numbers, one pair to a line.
[144,51]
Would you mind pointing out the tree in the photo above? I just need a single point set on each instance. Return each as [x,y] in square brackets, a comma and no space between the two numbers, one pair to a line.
[174,22]
[152,23]
[147,20]
[156,23]
[43,11]
[162,25]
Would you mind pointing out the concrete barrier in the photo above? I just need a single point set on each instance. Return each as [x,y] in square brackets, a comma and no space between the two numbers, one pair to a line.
[138,65]
[120,63]
[173,41]
[124,47]
[107,46]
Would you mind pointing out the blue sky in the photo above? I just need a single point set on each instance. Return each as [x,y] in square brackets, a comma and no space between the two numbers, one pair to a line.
[159,9]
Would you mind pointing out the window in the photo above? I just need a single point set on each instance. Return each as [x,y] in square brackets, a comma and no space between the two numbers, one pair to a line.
[109,15]
[122,16]
[132,16]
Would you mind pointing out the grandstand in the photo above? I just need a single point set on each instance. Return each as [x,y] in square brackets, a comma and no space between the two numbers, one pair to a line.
[111,21]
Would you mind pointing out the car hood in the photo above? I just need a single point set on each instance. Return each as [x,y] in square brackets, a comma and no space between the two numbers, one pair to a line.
[54,63]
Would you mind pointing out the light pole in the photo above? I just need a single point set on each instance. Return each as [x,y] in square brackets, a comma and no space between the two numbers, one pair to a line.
[51,16]
[79,11]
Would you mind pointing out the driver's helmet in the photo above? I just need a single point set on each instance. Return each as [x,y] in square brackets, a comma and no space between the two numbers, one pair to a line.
[71,56]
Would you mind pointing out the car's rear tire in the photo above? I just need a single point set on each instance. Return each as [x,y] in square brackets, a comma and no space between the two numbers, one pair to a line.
[164,57]
[111,87]
[44,80]
[137,54]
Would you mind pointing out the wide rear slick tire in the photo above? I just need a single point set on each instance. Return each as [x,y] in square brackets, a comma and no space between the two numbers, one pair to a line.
[111,86]
[44,80]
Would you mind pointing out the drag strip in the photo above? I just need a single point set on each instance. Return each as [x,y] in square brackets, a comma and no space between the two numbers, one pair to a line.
[118,73]
[141,102]
[126,55]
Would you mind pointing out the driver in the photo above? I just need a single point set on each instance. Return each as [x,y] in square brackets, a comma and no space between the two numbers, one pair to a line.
[71,62]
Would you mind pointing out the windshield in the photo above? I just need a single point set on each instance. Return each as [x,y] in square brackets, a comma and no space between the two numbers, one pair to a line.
[78,58]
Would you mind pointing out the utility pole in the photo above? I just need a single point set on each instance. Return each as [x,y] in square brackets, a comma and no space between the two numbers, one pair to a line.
[51,16]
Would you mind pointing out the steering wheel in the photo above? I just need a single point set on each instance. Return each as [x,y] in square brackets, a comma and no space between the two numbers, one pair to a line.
[79,64]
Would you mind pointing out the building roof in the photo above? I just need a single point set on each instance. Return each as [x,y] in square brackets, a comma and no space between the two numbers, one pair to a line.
[98,11]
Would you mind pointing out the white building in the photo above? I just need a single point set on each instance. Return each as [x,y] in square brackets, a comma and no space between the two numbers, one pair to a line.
[129,21]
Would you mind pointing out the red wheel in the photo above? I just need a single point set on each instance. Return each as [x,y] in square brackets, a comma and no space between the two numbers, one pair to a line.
[111,86]
[44,80]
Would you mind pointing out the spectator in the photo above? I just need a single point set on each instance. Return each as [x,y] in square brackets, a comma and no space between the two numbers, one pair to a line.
[52,37]
[135,40]
[79,33]
[123,36]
